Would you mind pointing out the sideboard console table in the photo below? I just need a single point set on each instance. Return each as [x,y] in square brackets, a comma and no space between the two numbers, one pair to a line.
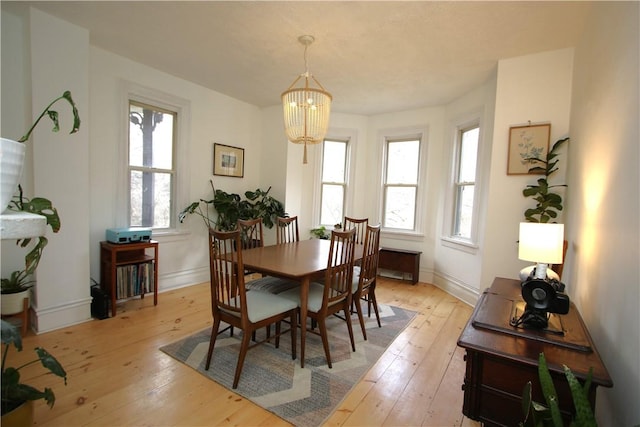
[501,359]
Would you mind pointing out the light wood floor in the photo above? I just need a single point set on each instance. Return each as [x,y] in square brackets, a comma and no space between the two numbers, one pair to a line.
[118,377]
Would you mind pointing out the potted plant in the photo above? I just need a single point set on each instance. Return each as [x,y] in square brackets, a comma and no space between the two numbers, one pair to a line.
[548,203]
[16,287]
[12,158]
[230,207]
[17,397]
[548,414]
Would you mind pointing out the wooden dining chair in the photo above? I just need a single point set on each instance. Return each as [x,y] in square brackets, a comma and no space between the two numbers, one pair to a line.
[360,224]
[251,233]
[364,282]
[232,304]
[334,295]
[252,237]
[287,230]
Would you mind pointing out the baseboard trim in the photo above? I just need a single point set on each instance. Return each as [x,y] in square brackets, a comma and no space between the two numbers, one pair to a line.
[61,316]
[460,290]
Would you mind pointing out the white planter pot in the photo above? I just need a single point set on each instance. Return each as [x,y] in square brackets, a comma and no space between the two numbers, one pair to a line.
[13,303]
[11,162]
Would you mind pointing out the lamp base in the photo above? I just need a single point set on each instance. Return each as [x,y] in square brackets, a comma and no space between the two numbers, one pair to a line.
[530,272]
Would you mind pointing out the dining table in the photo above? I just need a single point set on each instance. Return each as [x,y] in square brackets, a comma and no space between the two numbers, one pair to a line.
[302,262]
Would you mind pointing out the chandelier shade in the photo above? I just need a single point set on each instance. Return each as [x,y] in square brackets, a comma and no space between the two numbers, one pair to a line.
[306,107]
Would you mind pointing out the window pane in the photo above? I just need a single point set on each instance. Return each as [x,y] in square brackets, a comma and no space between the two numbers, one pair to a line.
[400,207]
[333,163]
[402,162]
[464,214]
[150,199]
[468,153]
[150,137]
[332,203]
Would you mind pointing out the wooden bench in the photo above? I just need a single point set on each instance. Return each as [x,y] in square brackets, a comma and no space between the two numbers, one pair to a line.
[403,260]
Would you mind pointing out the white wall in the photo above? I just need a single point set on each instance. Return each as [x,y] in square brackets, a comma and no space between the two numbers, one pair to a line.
[534,88]
[604,201]
[465,283]
[52,56]
[215,118]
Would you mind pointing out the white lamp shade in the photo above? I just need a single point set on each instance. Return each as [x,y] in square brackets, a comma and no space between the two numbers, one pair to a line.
[541,242]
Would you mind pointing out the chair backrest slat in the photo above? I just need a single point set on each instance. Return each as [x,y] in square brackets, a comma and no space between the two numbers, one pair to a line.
[339,274]
[360,224]
[287,230]
[227,286]
[369,263]
[251,233]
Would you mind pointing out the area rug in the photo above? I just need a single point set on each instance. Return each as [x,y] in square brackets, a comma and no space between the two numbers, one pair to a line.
[272,380]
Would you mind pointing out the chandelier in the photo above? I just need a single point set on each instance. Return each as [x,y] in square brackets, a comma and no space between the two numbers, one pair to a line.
[306,108]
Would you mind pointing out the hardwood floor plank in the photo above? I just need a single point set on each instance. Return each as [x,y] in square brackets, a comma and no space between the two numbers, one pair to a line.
[118,377]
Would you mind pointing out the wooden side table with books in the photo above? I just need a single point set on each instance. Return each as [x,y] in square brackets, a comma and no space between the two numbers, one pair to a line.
[128,270]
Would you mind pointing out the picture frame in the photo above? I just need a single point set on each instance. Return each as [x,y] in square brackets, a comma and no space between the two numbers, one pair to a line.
[228,160]
[527,142]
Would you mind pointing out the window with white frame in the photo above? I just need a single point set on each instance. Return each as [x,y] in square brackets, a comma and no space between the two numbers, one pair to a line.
[333,181]
[464,183]
[401,183]
[151,165]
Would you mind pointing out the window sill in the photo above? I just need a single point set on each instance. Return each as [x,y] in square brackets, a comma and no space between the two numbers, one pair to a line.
[460,244]
[402,235]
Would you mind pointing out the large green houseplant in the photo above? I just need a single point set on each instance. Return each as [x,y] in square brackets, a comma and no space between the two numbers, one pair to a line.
[15,393]
[230,207]
[548,202]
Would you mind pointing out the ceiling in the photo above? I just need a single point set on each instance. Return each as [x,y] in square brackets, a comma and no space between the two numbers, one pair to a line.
[374,57]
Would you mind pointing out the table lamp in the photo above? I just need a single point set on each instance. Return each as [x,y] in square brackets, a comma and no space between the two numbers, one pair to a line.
[541,243]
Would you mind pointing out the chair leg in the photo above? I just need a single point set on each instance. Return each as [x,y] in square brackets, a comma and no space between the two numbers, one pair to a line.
[356,302]
[374,301]
[244,347]
[325,341]
[294,333]
[349,326]
[212,341]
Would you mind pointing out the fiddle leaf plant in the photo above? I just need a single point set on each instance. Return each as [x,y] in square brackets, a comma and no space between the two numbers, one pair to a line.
[548,202]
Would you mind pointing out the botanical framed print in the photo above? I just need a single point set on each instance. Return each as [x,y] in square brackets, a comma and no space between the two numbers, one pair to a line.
[228,160]
[525,143]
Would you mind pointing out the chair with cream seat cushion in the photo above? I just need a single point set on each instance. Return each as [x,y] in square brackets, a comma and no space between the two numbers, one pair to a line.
[232,304]
[364,277]
[334,294]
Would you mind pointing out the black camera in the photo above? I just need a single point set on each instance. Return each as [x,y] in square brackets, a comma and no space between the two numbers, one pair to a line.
[542,297]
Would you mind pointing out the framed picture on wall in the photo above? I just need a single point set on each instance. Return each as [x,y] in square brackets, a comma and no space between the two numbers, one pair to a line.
[525,143]
[228,160]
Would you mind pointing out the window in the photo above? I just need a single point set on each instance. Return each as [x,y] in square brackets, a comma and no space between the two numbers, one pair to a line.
[151,165]
[400,187]
[465,181]
[333,181]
